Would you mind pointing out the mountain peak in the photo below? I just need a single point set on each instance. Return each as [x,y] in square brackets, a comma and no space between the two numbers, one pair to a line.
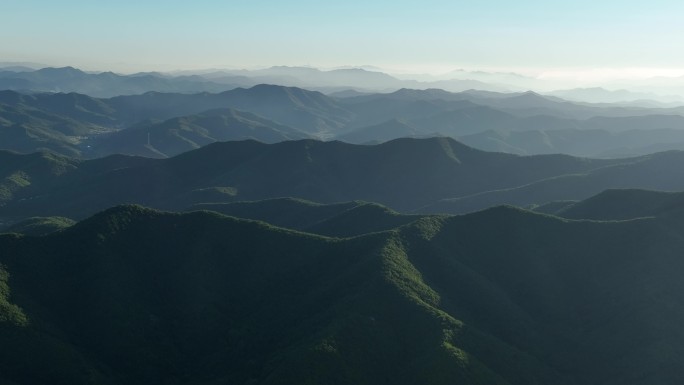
[418,94]
[61,70]
[271,87]
[531,93]
[114,219]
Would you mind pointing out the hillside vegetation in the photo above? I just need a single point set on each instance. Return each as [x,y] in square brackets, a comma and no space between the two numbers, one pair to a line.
[502,296]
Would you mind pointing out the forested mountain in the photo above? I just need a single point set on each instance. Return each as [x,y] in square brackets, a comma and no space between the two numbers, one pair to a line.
[341,193]
[501,296]
[346,265]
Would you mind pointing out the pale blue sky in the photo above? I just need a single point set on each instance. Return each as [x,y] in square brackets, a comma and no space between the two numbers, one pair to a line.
[428,35]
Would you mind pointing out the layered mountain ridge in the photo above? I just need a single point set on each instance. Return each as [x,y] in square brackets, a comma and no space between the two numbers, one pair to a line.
[216,228]
[83,126]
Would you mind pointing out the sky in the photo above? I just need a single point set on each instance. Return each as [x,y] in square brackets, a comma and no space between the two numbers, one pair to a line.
[545,38]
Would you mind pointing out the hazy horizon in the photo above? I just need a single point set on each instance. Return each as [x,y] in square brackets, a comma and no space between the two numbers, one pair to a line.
[587,41]
[582,74]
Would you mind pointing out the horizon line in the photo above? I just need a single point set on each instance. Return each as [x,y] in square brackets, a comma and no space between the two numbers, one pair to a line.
[584,73]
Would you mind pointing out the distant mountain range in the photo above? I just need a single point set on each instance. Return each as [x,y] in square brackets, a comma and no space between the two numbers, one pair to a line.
[177,135]
[109,84]
[602,95]
[74,124]
[34,77]
[105,84]
[524,123]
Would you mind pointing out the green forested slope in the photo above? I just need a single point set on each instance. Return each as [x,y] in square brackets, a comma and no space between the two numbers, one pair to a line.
[503,296]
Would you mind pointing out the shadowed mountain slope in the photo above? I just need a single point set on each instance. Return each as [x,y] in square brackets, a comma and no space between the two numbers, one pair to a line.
[404,174]
[625,204]
[661,171]
[334,220]
[394,128]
